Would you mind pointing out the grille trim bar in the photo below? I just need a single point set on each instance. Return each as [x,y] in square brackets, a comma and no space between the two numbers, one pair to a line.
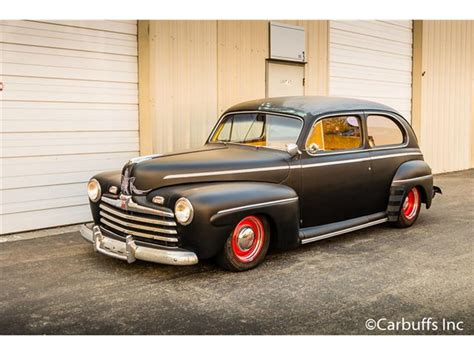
[137,226]
[137,233]
[130,205]
[104,207]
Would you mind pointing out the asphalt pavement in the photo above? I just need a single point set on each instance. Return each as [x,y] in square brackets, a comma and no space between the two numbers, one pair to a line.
[59,285]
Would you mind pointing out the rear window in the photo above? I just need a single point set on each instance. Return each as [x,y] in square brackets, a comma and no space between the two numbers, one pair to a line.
[382,131]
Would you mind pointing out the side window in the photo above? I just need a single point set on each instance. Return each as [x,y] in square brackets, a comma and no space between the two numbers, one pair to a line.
[382,130]
[335,133]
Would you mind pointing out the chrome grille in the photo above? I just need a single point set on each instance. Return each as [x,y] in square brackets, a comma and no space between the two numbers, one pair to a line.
[124,217]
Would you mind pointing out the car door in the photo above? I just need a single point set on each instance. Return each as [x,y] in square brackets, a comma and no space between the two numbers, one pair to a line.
[387,140]
[335,170]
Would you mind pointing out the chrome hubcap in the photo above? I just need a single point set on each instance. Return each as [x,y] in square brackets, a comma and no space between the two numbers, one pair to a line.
[245,238]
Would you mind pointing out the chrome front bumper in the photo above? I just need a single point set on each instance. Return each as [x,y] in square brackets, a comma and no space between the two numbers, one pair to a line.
[130,252]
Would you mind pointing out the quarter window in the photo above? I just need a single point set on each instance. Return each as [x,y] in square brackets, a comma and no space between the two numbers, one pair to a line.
[382,131]
[335,133]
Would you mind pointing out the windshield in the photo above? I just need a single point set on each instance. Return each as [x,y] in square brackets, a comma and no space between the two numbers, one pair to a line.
[258,129]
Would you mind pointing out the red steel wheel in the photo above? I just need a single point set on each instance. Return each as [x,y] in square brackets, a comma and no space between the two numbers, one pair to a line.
[247,245]
[411,204]
[248,238]
[410,209]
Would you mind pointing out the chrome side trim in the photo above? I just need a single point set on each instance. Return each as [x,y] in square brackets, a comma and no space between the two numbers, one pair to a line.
[241,171]
[137,226]
[339,162]
[139,234]
[342,231]
[224,172]
[126,203]
[395,155]
[135,218]
[348,161]
[129,251]
[258,205]
[412,179]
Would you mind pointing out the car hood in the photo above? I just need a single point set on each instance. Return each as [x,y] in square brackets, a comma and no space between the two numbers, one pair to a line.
[213,162]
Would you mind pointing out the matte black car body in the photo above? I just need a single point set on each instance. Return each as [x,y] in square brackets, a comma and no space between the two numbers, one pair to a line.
[304,197]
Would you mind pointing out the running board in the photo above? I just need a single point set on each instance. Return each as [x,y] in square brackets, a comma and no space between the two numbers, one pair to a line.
[313,234]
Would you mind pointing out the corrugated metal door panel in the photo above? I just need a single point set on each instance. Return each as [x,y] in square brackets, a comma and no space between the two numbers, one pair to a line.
[372,60]
[129,27]
[67,116]
[69,109]
[375,29]
[446,102]
[56,36]
[351,71]
[34,144]
[28,172]
[46,218]
[56,90]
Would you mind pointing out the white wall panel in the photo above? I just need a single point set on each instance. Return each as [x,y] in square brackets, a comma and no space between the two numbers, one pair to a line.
[64,37]
[372,60]
[69,109]
[123,26]
[67,116]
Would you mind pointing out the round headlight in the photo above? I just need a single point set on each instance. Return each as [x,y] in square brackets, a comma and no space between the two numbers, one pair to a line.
[183,210]
[93,190]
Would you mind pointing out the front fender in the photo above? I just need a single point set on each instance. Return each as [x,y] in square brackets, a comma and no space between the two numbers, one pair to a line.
[218,207]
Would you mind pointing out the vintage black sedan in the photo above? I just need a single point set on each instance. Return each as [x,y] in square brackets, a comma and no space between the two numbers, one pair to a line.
[278,172]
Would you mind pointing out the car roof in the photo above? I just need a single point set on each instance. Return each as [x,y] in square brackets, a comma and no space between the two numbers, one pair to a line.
[305,106]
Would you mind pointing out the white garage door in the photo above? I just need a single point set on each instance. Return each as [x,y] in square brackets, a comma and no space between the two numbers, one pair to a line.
[69,109]
[372,60]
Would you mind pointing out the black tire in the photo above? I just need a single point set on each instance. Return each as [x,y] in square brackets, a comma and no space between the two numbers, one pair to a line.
[229,260]
[407,217]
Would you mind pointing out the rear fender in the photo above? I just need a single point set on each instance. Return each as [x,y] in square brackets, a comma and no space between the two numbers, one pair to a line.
[410,174]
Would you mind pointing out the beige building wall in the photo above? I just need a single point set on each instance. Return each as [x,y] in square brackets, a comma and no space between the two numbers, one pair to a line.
[178,83]
[241,53]
[443,97]
[192,71]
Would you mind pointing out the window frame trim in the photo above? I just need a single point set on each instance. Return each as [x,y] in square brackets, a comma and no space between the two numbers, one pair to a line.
[398,123]
[364,114]
[363,147]
[208,141]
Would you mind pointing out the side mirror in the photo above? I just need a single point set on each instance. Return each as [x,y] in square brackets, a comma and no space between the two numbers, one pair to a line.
[313,148]
[292,149]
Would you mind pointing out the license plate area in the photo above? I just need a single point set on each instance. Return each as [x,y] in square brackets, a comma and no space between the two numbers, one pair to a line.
[113,246]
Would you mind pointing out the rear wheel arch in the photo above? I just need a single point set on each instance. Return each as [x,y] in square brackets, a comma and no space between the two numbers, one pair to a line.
[410,208]
[408,175]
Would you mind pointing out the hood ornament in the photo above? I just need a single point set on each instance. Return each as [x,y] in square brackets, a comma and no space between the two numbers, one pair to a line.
[126,185]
